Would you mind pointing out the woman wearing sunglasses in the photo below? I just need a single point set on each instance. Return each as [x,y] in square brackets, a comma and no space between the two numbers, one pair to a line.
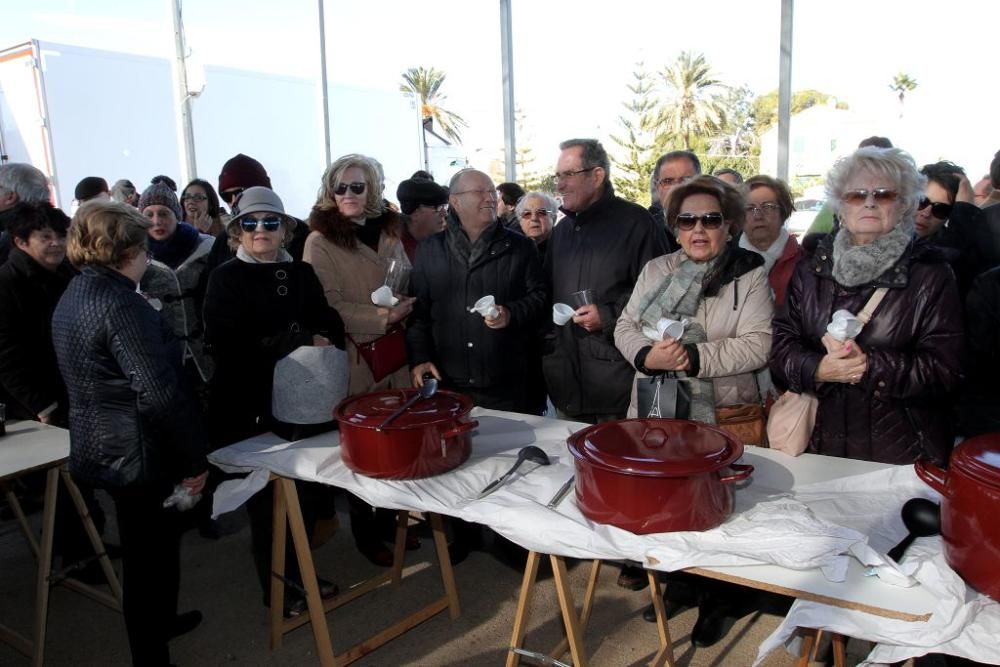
[721,290]
[201,208]
[354,238]
[536,212]
[883,396]
[947,217]
[259,307]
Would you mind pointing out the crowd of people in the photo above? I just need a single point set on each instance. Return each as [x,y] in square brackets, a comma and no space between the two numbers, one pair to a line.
[150,324]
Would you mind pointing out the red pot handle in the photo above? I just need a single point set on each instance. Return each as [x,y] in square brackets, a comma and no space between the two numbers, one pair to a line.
[743,471]
[935,477]
[459,429]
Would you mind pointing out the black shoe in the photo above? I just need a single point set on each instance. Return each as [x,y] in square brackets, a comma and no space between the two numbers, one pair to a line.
[708,629]
[327,589]
[633,578]
[377,553]
[184,623]
[671,608]
[296,606]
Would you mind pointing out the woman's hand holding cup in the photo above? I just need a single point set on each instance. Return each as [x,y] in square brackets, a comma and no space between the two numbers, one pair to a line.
[667,355]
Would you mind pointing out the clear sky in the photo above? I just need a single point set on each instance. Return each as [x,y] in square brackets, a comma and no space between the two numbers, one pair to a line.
[573,58]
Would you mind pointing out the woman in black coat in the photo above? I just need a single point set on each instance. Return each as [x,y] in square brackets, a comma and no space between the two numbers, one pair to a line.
[885,396]
[259,307]
[134,429]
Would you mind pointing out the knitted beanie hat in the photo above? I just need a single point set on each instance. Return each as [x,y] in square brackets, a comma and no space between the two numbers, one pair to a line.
[243,171]
[160,193]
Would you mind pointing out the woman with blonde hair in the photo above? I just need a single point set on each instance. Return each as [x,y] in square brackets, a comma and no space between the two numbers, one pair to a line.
[353,241]
[134,429]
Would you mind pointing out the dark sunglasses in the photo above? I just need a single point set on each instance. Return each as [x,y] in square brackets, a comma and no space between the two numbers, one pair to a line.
[544,212]
[229,195]
[688,221]
[859,197]
[939,210]
[357,188]
[270,224]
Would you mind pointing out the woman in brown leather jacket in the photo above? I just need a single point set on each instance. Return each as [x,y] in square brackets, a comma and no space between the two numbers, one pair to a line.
[885,396]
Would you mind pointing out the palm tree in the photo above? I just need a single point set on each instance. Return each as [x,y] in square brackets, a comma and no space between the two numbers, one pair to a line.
[426,84]
[902,84]
[695,107]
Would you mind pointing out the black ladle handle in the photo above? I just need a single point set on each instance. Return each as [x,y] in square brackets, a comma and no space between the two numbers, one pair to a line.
[896,553]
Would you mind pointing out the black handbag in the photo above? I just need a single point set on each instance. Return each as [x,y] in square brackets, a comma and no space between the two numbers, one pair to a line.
[663,397]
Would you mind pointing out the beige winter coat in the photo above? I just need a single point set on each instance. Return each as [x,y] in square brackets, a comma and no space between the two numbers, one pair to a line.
[739,339]
[349,276]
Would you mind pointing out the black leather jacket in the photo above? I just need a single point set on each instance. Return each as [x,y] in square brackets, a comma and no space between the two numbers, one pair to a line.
[131,419]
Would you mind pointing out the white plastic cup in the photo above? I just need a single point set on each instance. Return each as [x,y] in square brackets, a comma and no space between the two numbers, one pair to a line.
[383,297]
[672,328]
[486,307]
[561,313]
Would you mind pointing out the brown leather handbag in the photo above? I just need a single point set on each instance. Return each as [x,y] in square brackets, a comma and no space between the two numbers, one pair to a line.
[745,421]
[385,355]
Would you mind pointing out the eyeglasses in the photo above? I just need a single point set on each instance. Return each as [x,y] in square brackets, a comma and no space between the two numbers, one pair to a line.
[860,197]
[270,224]
[561,175]
[687,221]
[526,214]
[939,210]
[488,193]
[357,187]
[229,195]
[768,208]
[680,180]
[194,197]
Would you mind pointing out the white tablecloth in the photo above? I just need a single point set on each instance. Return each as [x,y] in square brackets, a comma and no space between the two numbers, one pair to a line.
[800,514]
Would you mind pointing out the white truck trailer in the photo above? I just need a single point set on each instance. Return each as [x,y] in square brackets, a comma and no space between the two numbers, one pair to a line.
[75,112]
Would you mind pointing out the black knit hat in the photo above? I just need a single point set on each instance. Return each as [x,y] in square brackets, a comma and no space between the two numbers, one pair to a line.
[89,188]
[419,192]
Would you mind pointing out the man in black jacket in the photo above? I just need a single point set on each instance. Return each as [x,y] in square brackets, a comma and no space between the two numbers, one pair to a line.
[19,183]
[601,246]
[486,357]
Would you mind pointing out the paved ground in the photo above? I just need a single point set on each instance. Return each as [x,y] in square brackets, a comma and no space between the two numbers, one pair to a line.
[218,579]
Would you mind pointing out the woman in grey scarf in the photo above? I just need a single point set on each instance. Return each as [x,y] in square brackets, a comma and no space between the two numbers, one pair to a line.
[720,290]
[884,396]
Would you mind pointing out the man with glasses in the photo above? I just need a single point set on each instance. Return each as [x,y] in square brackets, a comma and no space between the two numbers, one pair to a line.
[479,353]
[423,204]
[672,169]
[592,261]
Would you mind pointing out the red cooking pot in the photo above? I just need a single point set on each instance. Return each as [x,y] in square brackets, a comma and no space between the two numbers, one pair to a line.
[970,510]
[656,475]
[431,437]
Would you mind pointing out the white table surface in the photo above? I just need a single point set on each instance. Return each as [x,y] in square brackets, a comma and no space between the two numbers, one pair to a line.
[31,445]
[518,510]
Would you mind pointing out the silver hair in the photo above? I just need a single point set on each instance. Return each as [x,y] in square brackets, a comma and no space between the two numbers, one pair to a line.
[551,205]
[592,155]
[893,164]
[28,183]
[122,190]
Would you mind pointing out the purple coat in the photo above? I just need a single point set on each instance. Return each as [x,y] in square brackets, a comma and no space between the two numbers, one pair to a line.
[901,408]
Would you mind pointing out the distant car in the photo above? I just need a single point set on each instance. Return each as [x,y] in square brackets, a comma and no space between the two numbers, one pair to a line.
[802,217]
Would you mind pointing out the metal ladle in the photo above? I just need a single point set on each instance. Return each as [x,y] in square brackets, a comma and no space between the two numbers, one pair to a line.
[529,453]
[428,389]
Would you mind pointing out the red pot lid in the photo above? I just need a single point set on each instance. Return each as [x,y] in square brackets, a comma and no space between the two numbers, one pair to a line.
[656,447]
[980,458]
[370,410]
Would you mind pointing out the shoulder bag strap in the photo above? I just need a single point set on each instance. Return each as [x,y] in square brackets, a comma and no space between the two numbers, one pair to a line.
[866,313]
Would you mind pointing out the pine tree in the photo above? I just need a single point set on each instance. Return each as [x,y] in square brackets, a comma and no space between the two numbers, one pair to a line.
[640,139]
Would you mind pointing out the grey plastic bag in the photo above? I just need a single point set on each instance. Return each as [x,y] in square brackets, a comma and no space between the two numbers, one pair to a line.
[309,383]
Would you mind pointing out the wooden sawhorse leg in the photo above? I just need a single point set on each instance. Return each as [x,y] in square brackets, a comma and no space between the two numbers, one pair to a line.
[288,513]
[576,625]
[810,644]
